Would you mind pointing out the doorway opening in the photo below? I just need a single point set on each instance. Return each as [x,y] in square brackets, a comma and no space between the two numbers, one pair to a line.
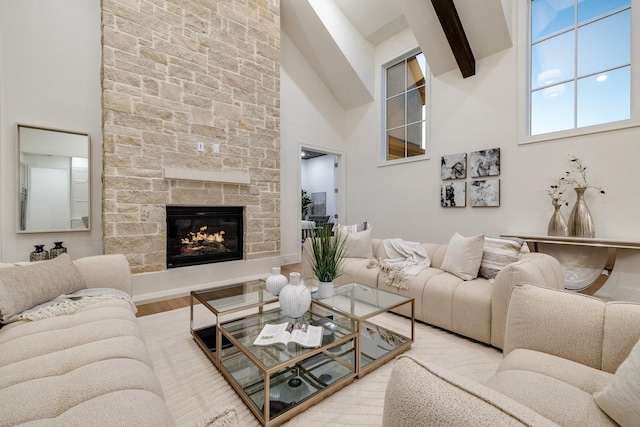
[322,195]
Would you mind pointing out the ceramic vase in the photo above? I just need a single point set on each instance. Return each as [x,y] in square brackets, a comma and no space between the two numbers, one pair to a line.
[580,221]
[295,298]
[58,249]
[557,225]
[276,281]
[39,254]
[325,289]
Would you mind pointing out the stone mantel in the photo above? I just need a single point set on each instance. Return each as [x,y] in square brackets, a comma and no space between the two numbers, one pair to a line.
[206,176]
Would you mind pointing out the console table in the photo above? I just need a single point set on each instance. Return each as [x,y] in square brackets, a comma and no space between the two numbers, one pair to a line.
[591,263]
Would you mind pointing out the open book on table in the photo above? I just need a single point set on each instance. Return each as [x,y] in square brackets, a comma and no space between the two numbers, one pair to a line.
[301,333]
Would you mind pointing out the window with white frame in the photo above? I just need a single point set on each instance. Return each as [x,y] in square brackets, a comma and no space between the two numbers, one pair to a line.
[405,107]
[580,64]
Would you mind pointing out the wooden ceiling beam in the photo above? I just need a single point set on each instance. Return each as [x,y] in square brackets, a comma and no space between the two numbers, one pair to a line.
[452,27]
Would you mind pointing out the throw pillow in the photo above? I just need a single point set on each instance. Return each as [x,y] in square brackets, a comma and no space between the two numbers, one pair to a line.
[620,399]
[355,227]
[24,287]
[358,244]
[463,256]
[497,254]
[524,247]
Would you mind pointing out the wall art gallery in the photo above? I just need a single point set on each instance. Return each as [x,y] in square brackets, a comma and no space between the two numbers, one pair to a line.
[484,189]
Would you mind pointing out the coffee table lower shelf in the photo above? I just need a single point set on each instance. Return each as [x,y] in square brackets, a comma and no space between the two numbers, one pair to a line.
[280,381]
[291,390]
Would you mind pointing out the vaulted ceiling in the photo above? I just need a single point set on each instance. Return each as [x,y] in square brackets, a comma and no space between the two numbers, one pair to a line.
[338,37]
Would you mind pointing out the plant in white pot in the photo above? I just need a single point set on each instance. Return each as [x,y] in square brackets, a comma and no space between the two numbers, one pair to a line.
[326,256]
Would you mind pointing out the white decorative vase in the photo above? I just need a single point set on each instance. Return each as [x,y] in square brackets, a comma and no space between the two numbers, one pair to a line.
[276,281]
[325,289]
[295,297]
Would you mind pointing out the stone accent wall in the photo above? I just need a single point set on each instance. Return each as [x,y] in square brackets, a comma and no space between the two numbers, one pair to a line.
[176,73]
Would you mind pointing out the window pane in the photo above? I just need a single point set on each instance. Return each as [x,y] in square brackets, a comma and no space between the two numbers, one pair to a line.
[395,144]
[605,44]
[416,71]
[551,16]
[552,60]
[552,109]
[395,79]
[416,105]
[395,111]
[590,9]
[605,97]
[416,139]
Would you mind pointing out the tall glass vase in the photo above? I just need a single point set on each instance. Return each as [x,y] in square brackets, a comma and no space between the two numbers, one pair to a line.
[580,221]
[557,225]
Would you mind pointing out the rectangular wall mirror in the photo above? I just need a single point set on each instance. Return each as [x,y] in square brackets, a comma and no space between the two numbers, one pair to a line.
[53,180]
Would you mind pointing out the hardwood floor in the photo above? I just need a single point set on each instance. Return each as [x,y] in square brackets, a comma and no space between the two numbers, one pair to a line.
[174,303]
[160,306]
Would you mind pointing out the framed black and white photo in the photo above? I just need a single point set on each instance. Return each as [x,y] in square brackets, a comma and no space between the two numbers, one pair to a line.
[453,166]
[453,194]
[485,193]
[485,163]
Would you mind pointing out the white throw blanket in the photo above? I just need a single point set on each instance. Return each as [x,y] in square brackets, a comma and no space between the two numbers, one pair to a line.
[406,259]
[66,304]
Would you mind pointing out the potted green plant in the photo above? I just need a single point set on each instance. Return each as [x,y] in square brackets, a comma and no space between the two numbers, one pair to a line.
[305,202]
[326,256]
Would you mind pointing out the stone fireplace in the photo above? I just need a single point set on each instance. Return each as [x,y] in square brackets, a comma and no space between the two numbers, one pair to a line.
[204,234]
[192,87]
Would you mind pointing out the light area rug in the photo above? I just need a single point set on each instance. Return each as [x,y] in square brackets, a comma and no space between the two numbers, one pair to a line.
[193,387]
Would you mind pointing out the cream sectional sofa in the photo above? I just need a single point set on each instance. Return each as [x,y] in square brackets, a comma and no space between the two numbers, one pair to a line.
[474,308]
[569,360]
[90,367]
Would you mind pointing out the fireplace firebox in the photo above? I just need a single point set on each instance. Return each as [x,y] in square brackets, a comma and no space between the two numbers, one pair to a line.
[204,234]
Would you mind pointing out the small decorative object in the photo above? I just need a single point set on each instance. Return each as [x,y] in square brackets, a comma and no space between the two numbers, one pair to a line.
[485,192]
[557,225]
[453,194]
[580,220]
[326,256]
[295,297]
[58,249]
[453,166]
[485,163]
[276,281]
[294,390]
[39,254]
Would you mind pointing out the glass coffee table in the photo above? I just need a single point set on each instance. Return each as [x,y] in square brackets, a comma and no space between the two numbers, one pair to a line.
[225,303]
[377,343]
[276,382]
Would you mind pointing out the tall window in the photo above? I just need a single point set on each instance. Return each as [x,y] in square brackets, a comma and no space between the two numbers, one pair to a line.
[405,108]
[580,69]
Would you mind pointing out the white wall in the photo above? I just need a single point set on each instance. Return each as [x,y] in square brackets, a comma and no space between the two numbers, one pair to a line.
[50,77]
[310,116]
[473,114]
[318,177]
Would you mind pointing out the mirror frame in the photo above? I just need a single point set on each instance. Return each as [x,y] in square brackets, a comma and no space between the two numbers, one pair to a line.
[19,171]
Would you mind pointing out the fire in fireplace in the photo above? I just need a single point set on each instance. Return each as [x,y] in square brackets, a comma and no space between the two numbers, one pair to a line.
[203,234]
